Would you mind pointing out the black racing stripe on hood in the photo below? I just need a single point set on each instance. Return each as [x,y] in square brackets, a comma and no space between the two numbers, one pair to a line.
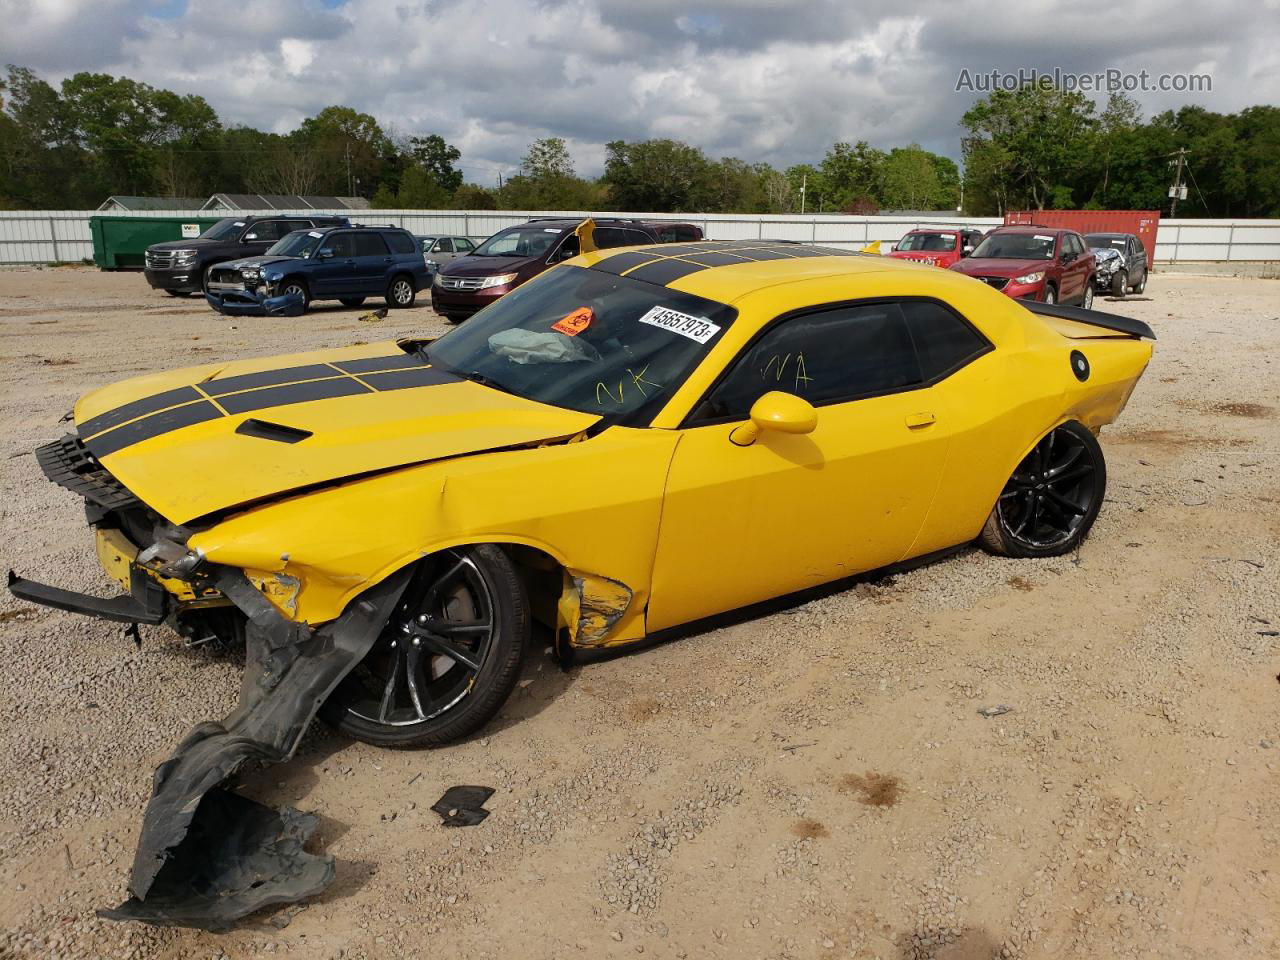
[403,379]
[663,272]
[292,393]
[112,441]
[138,408]
[274,388]
[370,364]
[266,378]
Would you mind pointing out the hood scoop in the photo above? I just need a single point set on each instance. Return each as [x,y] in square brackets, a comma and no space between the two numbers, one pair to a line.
[267,430]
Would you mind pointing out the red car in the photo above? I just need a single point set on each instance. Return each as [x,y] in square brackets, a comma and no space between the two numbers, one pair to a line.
[939,248]
[1034,263]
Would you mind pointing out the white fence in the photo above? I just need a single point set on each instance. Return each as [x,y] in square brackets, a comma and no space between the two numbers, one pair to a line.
[50,236]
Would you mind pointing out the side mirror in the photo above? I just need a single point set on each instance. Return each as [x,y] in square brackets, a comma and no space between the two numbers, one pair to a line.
[966,250]
[325,254]
[784,412]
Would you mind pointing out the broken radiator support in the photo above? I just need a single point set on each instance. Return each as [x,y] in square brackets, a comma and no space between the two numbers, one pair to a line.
[207,857]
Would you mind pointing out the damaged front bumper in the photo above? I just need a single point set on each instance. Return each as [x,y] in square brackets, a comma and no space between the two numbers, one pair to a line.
[255,303]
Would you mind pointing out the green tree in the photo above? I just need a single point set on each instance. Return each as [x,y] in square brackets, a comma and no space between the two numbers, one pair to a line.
[351,151]
[1028,145]
[658,176]
[915,179]
[436,158]
[852,176]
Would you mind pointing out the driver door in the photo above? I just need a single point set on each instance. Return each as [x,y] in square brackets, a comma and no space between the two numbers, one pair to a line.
[744,524]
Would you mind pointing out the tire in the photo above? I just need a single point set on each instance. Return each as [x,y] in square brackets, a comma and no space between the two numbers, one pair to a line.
[445,605]
[1056,490]
[296,285]
[401,292]
[1141,284]
[178,293]
[1050,294]
[351,301]
[1119,283]
[1086,298]
[454,318]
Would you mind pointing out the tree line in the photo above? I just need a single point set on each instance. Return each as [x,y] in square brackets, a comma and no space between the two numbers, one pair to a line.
[96,135]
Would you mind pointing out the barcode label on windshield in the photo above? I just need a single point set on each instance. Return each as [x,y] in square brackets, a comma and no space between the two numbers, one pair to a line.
[695,328]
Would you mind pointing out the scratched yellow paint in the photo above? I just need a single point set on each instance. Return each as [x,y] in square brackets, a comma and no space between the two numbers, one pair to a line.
[682,520]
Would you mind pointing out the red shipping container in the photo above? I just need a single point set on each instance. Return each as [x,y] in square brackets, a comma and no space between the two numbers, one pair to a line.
[1141,223]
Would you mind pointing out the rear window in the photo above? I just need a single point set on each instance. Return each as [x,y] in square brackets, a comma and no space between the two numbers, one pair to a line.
[370,245]
[400,242]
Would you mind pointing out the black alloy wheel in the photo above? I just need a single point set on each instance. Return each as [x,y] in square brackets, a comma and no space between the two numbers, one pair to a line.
[446,660]
[1052,499]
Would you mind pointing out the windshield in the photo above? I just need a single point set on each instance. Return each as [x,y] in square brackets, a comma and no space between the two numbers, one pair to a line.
[1104,241]
[526,241]
[587,340]
[933,242]
[228,229]
[1016,246]
[300,243]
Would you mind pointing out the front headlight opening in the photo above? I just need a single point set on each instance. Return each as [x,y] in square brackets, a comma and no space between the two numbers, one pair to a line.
[1030,277]
[498,281]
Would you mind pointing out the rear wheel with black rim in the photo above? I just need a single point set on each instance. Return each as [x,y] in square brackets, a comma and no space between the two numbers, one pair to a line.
[1052,499]
[401,292]
[1141,284]
[447,659]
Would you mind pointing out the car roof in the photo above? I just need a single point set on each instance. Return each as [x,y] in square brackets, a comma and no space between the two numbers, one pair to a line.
[1031,228]
[727,270]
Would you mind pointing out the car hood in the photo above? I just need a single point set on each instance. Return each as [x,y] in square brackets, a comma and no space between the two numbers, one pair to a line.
[1000,267]
[195,243]
[259,261]
[206,439]
[470,266]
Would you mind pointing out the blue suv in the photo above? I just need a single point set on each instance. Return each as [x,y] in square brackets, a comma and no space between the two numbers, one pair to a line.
[346,264]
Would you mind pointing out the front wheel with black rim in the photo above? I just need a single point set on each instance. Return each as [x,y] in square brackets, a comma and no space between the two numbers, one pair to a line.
[1050,295]
[447,659]
[293,287]
[401,292]
[1052,499]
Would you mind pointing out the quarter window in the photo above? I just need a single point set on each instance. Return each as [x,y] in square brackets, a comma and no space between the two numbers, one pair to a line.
[942,340]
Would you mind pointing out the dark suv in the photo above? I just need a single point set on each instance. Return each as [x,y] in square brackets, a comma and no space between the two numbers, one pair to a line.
[516,254]
[344,263]
[178,266]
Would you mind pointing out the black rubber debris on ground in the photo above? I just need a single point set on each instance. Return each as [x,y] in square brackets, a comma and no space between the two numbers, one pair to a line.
[463,806]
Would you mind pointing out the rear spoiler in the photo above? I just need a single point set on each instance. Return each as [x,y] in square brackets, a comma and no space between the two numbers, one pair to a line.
[1095,318]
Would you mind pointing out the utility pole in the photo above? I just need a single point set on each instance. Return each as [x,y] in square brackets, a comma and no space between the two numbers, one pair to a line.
[804,183]
[1179,190]
[351,190]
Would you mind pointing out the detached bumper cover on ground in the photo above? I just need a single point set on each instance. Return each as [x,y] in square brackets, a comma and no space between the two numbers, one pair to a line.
[207,857]
[251,304]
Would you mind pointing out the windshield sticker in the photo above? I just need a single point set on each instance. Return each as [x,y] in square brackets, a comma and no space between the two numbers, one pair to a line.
[239,223]
[315,233]
[550,230]
[572,324]
[695,328]
[1038,237]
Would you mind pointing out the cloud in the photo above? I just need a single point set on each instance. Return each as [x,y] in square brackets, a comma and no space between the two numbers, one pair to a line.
[774,80]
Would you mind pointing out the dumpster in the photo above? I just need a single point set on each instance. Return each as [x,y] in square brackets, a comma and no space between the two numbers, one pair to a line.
[1141,223]
[120,242]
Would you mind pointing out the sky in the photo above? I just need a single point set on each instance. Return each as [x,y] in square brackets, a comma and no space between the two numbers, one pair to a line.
[762,80]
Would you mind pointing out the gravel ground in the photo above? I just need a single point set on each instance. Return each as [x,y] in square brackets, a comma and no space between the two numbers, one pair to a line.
[818,782]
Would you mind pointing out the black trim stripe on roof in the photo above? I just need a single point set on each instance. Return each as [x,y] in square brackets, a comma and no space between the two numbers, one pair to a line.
[667,263]
[171,410]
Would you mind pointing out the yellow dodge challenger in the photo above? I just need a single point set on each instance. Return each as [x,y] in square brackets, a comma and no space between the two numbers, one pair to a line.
[636,440]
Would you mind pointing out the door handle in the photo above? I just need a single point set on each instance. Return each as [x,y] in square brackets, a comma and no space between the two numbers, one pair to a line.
[922,419]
